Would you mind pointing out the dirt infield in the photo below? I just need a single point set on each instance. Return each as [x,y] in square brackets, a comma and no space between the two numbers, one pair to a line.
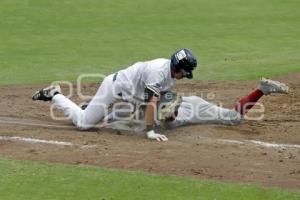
[226,153]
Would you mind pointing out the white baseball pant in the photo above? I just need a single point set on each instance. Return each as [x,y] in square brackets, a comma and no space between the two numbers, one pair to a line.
[95,111]
[195,110]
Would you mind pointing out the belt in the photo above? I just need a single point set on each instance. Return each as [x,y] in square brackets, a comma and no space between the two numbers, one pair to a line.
[114,79]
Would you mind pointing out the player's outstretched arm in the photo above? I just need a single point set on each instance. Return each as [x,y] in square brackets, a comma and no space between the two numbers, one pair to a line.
[150,110]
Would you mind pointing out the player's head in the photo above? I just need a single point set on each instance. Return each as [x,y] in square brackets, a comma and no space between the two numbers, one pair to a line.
[183,62]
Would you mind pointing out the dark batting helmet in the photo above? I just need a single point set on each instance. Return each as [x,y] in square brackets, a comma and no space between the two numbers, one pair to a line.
[184,60]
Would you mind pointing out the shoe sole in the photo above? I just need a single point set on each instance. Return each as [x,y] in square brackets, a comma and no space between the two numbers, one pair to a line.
[280,87]
[39,95]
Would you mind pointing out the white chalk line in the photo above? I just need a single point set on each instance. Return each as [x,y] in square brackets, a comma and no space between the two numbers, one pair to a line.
[273,145]
[40,123]
[39,141]
[8,120]
[222,141]
[252,142]
[24,123]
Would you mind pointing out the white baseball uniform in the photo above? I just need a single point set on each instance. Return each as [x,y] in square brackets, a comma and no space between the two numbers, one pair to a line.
[128,84]
[192,110]
[195,110]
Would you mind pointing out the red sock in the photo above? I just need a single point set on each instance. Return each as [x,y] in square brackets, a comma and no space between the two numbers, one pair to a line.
[246,103]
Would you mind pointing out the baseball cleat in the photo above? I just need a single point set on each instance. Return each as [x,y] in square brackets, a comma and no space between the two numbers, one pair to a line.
[47,93]
[268,86]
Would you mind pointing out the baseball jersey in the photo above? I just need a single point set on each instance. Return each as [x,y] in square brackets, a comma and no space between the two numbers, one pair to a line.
[154,75]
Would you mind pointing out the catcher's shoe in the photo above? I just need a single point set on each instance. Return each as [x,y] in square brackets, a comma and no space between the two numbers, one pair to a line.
[268,86]
[47,93]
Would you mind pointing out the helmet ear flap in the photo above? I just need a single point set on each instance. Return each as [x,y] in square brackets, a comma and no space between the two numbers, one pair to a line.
[177,69]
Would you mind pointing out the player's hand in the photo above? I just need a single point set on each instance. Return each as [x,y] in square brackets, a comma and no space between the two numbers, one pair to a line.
[157,123]
[155,136]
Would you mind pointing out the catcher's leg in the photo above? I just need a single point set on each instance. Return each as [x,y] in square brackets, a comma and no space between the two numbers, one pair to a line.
[266,87]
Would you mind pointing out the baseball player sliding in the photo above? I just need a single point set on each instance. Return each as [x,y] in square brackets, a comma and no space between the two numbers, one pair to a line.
[174,110]
[142,82]
[195,110]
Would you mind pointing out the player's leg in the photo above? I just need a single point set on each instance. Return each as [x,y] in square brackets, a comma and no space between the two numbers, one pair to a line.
[266,87]
[195,110]
[94,112]
[209,113]
[53,93]
[97,108]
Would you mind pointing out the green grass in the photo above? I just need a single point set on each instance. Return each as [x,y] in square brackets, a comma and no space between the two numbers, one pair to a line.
[34,180]
[47,40]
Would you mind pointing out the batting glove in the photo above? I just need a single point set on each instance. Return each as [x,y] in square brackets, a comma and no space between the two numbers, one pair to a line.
[155,136]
